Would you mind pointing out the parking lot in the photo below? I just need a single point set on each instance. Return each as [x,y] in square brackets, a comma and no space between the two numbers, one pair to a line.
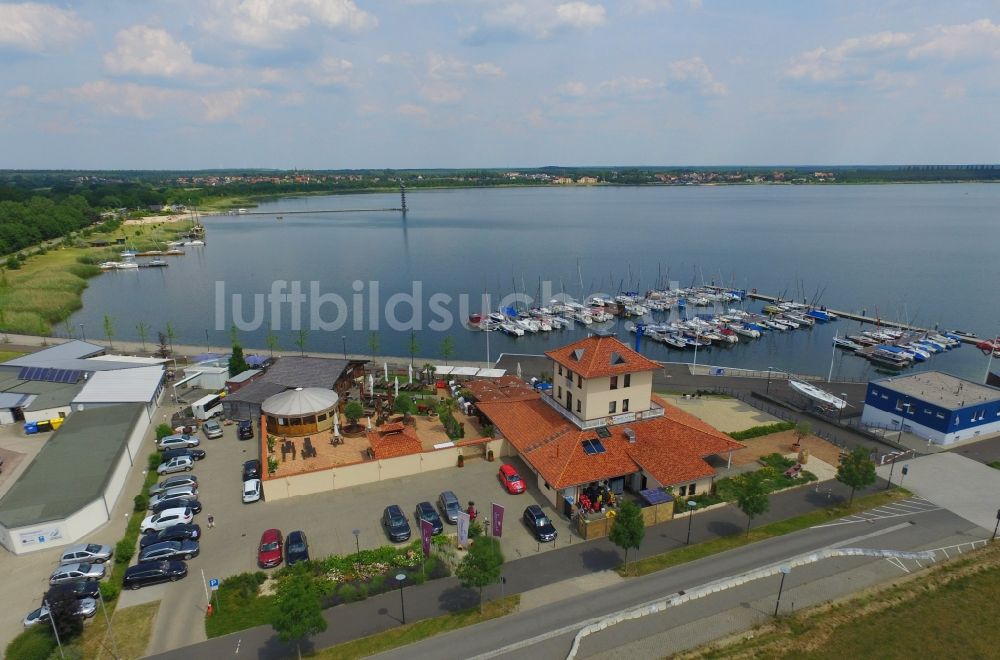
[328,519]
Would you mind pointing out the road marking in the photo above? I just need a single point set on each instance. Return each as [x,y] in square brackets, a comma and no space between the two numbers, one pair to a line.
[848,520]
[238,642]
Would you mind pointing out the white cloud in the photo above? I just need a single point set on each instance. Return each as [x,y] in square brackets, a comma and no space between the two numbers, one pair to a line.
[395,59]
[446,67]
[148,51]
[849,59]
[149,102]
[19,92]
[694,71]
[538,20]
[488,69]
[441,92]
[331,72]
[970,40]
[413,110]
[34,27]
[573,88]
[268,23]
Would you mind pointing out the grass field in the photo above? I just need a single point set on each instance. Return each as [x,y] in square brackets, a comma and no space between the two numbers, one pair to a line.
[947,612]
[9,355]
[414,632]
[132,626]
[699,550]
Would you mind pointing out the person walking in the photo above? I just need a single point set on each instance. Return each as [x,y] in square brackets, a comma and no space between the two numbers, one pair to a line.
[211,520]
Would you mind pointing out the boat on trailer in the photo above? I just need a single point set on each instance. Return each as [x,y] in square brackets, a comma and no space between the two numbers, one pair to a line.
[816,394]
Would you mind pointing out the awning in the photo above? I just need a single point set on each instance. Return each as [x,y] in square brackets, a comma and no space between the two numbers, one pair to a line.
[491,373]
[465,371]
[442,371]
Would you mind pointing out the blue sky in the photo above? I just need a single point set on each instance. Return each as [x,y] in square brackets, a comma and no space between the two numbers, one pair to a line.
[496,83]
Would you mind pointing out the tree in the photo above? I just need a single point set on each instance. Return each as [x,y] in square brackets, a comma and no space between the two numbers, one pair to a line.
[300,340]
[299,607]
[447,348]
[163,351]
[751,495]
[373,343]
[237,363]
[856,470]
[481,565]
[272,341]
[62,608]
[802,429]
[234,334]
[109,329]
[413,347]
[143,331]
[353,412]
[404,405]
[628,529]
[171,335]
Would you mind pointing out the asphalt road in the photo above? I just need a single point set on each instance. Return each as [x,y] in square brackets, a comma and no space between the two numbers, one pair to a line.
[548,632]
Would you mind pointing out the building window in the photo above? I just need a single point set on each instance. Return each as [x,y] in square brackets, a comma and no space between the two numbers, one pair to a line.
[559,393]
[321,417]
[628,380]
[579,380]
[614,382]
[560,370]
[624,405]
[899,405]
[282,421]
[691,489]
[578,405]
[683,491]
[612,407]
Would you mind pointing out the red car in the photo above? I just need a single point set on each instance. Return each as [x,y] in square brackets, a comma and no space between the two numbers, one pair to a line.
[270,551]
[511,480]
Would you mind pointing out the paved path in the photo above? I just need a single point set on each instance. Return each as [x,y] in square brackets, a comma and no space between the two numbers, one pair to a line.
[573,561]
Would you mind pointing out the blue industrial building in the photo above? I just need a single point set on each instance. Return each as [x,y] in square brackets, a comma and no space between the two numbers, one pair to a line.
[939,407]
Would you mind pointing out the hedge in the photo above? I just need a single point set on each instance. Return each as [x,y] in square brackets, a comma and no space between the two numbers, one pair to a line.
[758,431]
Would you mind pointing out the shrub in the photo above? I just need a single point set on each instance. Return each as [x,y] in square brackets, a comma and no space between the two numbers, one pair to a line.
[348,593]
[140,503]
[377,585]
[34,644]
[124,549]
[163,430]
[758,431]
[109,591]
[245,585]
[153,461]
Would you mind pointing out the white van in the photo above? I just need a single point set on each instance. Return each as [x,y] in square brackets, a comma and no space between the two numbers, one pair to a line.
[207,407]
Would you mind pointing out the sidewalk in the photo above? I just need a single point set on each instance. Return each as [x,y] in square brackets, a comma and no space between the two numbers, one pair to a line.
[584,558]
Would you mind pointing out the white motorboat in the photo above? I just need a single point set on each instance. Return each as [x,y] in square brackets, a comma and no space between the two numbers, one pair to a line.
[511,329]
[746,332]
[584,317]
[674,340]
[817,394]
[544,324]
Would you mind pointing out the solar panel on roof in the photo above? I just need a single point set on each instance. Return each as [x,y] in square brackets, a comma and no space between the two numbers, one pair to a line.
[23,373]
[591,447]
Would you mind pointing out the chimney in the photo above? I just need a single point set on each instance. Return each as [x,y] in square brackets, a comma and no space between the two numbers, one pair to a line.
[630,434]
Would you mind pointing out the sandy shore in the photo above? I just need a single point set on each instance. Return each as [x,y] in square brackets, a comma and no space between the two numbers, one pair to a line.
[157,219]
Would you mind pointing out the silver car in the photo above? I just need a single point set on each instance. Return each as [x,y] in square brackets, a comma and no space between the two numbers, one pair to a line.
[180,441]
[175,481]
[178,492]
[73,572]
[86,607]
[176,464]
[212,429]
[94,553]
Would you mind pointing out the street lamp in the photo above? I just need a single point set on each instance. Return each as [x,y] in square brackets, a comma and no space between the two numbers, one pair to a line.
[82,333]
[343,338]
[692,505]
[208,344]
[767,390]
[55,632]
[400,579]
[785,570]
[357,540]
[997,526]
[892,466]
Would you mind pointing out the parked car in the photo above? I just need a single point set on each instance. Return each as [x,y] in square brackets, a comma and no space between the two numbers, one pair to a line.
[539,524]
[426,511]
[395,523]
[153,572]
[511,480]
[178,532]
[269,551]
[164,519]
[74,572]
[251,470]
[93,553]
[212,429]
[86,608]
[80,589]
[296,548]
[181,440]
[177,464]
[175,481]
[193,454]
[449,506]
[189,492]
[176,503]
[251,491]
[244,429]
[169,550]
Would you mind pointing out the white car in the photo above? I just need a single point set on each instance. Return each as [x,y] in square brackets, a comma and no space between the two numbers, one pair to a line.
[251,491]
[176,464]
[180,441]
[163,519]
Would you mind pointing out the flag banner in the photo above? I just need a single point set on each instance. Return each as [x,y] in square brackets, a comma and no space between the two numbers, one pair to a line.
[463,528]
[496,519]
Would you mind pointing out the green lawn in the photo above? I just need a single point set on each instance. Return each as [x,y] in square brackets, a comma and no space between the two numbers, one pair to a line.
[693,552]
[9,355]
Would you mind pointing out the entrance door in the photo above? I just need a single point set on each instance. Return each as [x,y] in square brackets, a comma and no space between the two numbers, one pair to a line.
[18,414]
[569,402]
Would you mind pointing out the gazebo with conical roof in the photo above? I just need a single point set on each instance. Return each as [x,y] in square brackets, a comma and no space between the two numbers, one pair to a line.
[301,411]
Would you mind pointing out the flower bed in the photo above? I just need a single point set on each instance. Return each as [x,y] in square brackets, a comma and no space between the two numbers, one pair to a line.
[724,490]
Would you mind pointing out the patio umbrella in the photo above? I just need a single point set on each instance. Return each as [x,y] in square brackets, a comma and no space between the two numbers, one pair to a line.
[396,388]
[410,373]
[336,424]
[371,385]
[369,423]
[519,371]
[385,369]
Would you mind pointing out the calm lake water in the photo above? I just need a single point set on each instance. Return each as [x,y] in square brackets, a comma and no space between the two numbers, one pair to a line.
[922,252]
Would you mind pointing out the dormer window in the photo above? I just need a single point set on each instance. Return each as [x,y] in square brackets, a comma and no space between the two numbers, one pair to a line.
[578,354]
[617,359]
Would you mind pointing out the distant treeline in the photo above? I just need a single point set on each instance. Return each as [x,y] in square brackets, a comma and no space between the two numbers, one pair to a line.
[40,218]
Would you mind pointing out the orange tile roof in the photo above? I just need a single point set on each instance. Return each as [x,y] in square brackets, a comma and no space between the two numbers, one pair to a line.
[671,449]
[601,356]
[505,388]
[392,440]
